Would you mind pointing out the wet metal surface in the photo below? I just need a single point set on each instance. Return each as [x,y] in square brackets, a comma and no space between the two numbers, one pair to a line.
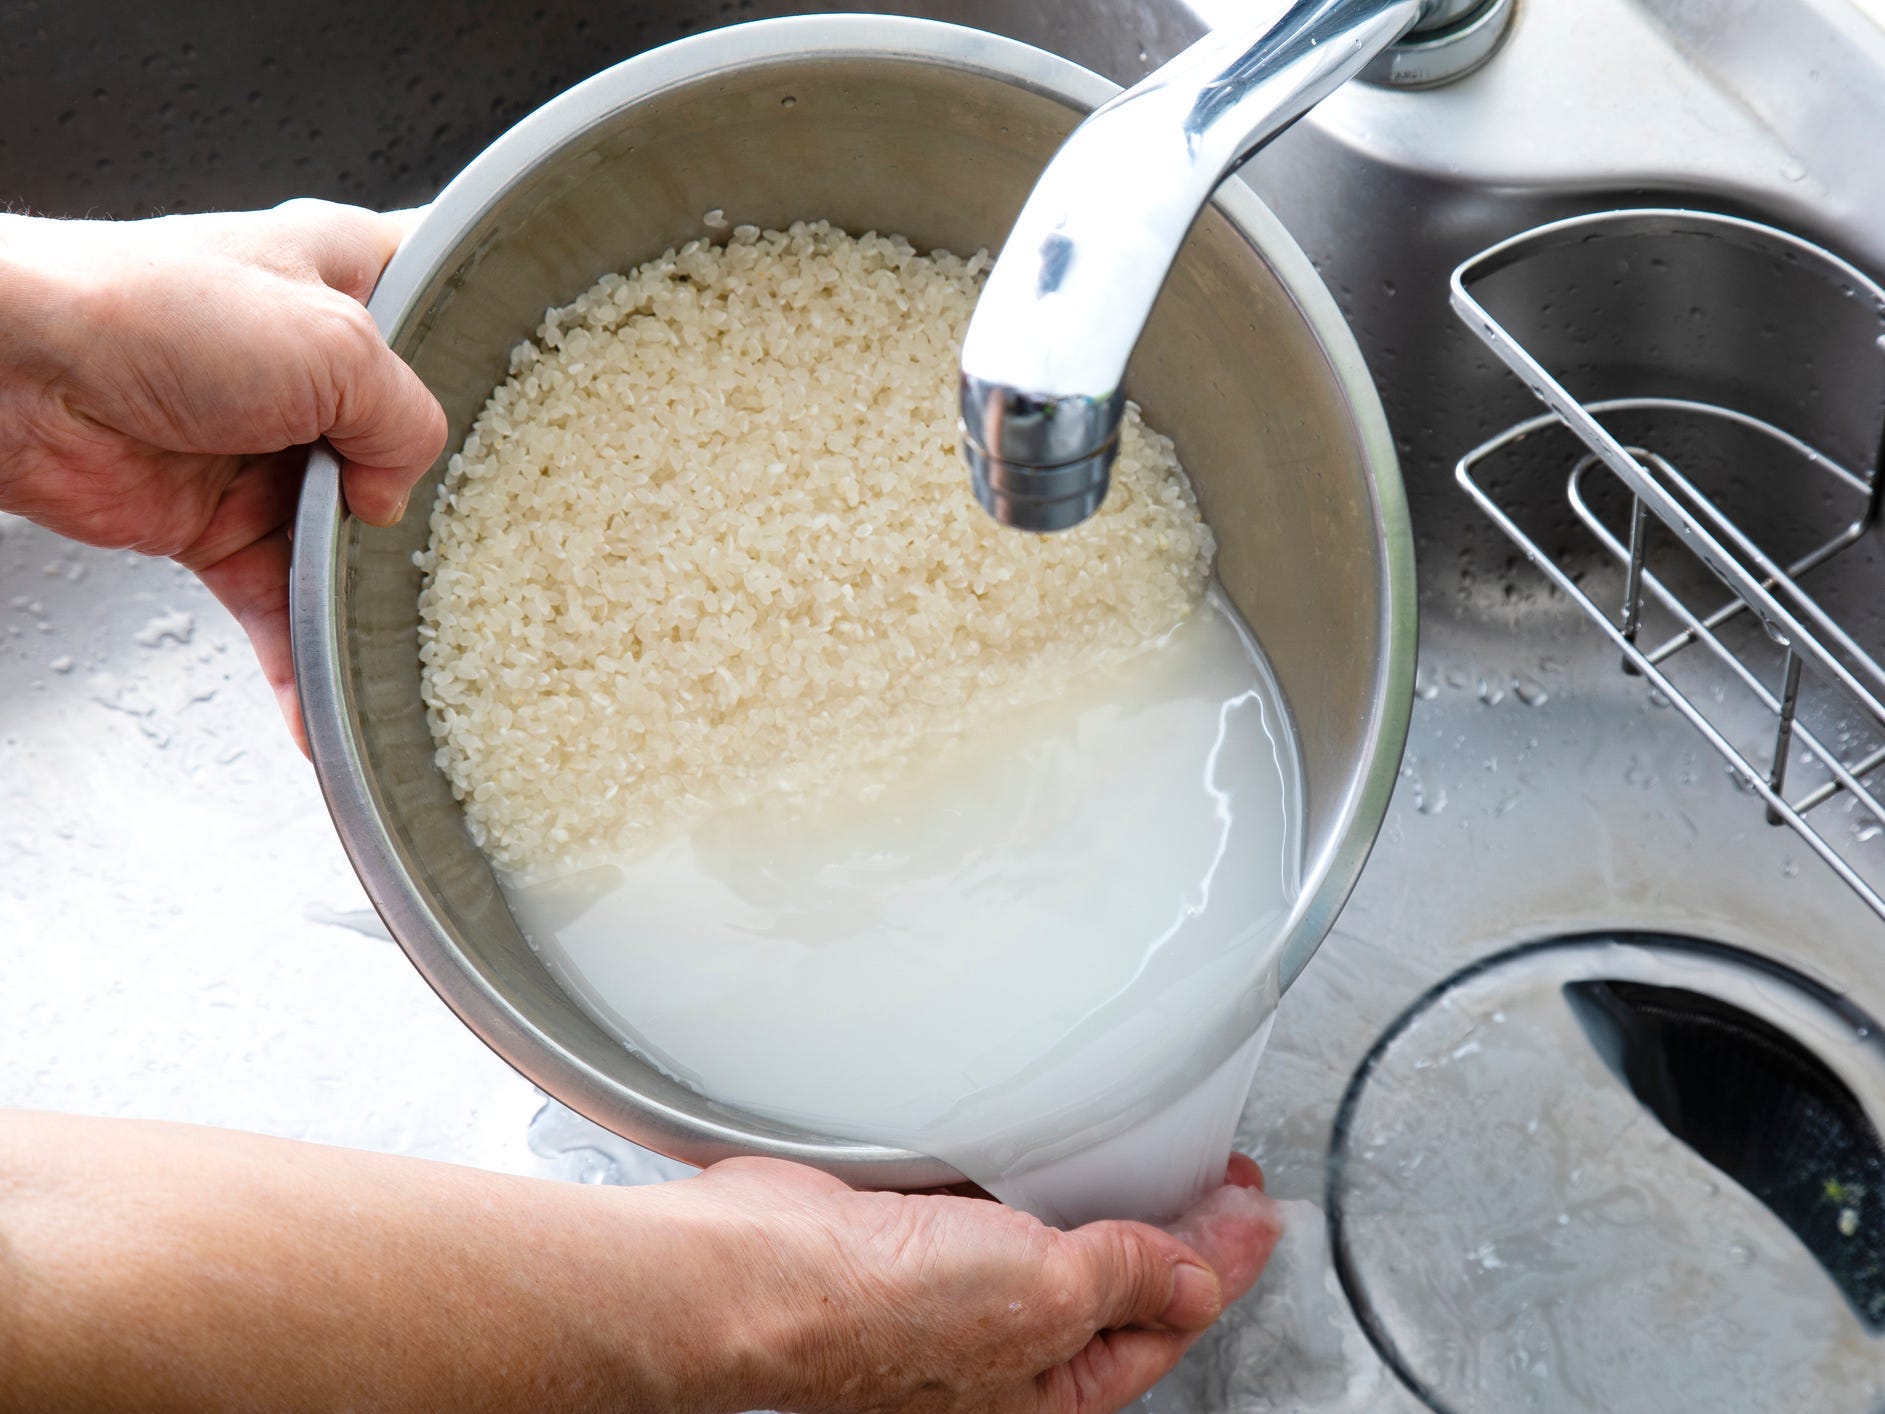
[180,935]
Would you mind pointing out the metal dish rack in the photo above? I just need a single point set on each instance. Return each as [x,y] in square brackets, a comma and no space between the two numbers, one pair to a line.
[1804,643]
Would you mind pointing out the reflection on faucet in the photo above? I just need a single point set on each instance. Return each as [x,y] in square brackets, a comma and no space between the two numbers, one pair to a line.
[1046,351]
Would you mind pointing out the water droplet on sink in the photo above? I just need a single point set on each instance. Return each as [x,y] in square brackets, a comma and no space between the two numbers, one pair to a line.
[174,627]
[1428,798]
[1789,868]
[1529,690]
[1867,830]
[61,664]
[1491,692]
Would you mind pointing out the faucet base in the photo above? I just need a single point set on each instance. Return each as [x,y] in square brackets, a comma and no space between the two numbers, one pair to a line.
[1428,58]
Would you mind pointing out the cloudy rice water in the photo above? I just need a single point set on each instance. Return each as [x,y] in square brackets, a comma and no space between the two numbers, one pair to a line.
[829,795]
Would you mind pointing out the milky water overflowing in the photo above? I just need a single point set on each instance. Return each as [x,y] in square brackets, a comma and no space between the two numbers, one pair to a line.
[1039,939]
[1155,1169]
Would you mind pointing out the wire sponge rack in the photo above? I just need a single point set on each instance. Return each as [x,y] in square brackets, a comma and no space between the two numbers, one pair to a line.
[1715,402]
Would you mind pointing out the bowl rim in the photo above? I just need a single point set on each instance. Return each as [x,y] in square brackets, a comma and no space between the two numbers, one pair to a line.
[330,720]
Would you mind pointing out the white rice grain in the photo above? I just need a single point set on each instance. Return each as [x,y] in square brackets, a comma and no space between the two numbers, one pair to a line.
[712,539]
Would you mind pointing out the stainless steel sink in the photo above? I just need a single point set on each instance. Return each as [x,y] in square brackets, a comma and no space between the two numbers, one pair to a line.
[1544,791]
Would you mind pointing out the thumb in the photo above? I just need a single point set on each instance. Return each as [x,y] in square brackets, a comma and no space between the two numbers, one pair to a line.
[1137,1275]
[387,428]
[1235,1228]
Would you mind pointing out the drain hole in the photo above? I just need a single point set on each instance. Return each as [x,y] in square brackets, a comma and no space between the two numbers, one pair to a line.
[1621,1173]
[1761,1108]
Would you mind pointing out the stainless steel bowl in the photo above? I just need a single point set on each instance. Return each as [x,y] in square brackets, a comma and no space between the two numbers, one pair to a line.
[898,125]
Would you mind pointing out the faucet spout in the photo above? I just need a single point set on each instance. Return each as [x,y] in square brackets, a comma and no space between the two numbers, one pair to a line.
[1046,351]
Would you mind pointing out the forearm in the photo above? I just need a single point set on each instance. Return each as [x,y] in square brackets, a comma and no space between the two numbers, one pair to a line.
[147,1266]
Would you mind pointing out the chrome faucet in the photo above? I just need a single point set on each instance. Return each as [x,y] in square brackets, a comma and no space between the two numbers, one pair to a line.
[1065,304]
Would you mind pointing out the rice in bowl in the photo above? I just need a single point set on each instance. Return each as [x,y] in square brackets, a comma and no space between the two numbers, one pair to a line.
[712,540]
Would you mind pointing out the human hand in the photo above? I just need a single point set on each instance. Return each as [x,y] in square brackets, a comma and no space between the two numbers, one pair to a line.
[209,1270]
[849,1302]
[159,381]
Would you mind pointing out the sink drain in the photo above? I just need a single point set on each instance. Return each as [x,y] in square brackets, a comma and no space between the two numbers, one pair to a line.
[1620,1172]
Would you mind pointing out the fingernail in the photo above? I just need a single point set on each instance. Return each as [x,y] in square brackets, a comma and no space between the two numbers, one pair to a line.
[1196,1298]
[399,511]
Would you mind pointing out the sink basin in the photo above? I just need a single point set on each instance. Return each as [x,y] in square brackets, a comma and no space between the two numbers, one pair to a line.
[1546,789]
[1544,792]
